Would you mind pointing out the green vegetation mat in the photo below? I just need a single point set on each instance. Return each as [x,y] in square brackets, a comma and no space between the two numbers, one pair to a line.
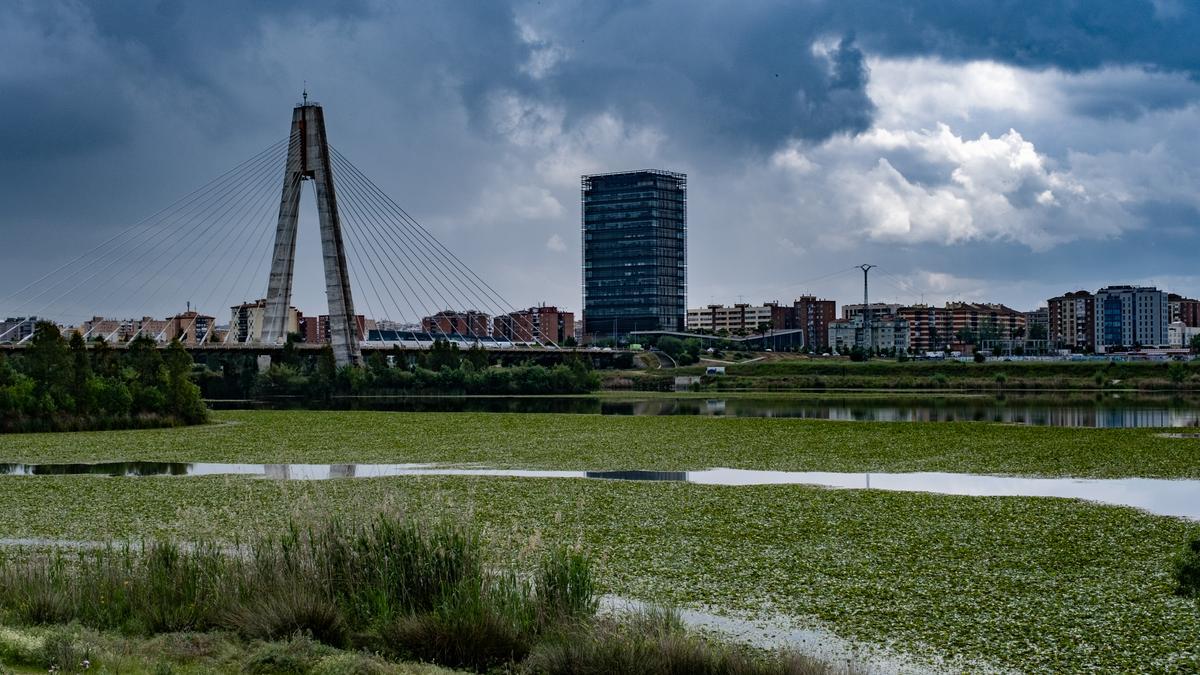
[612,442]
[1035,584]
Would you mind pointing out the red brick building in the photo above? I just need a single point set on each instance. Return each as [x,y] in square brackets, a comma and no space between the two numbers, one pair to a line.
[929,328]
[985,320]
[1184,309]
[546,323]
[1072,321]
[450,323]
[315,329]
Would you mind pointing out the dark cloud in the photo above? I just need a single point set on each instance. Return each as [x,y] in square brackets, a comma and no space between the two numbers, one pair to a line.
[725,75]
[1073,35]
[113,109]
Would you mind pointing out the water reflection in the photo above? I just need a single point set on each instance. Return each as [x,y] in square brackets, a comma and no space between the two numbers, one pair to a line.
[1160,496]
[639,475]
[1104,412]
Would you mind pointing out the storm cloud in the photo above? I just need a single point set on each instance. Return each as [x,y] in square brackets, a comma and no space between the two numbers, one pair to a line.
[1004,150]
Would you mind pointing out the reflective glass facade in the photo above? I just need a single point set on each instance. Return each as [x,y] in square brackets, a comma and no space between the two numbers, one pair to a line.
[634,252]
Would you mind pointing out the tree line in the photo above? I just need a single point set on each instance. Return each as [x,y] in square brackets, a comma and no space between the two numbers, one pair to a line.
[56,384]
[442,369]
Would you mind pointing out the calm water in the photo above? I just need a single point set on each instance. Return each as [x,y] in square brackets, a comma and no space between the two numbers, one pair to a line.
[1106,412]
[1160,496]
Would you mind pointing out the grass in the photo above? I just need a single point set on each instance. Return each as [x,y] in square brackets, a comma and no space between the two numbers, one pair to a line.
[328,579]
[1038,585]
[65,648]
[596,442]
[410,589]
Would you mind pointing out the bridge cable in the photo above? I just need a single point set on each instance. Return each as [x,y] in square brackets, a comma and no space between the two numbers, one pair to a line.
[417,244]
[191,212]
[267,183]
[193,231]
[370,230]
[244,236]
[377,234]
[432,245]
[195,194]
[445,253]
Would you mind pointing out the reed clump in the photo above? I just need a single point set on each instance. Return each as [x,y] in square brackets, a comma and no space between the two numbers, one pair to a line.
[407,589]
[416,588]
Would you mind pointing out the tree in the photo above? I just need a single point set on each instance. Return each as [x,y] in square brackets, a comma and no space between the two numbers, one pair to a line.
[570,342]
[142,355]
[104,359]
[183,396]
[443,354]
[47,361]
[81,372]
[288,354]
[671,346]
[477,356]
[1195,344]
[378,365]
[1178,372]
[326,375]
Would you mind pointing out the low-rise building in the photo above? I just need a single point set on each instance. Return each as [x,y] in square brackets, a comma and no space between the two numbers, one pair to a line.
[315,329]
[1180,335]
[16,329]
[545,323]
[451,323]
[878,310]
[887,333]
[739,318]
[190,328]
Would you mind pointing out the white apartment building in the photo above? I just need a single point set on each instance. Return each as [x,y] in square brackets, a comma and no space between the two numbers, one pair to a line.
[884,334]
[1128,316]
[738,318]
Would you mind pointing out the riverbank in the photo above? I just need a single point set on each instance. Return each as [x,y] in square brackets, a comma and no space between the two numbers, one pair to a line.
[784,372]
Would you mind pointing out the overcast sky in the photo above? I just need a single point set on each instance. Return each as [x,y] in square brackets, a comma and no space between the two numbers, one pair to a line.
[1005,151]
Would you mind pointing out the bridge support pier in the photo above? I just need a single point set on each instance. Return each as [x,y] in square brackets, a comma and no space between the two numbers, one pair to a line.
[308,159]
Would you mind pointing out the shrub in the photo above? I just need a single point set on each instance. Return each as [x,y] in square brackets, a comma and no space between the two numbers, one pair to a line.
[297,655]
[289,610]
[655,642]
[466,631]
[18,648]
[63,652]
[1186,570]
[565,587]
[350,664]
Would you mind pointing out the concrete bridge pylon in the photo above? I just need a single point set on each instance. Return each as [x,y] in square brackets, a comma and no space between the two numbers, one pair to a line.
[308,160]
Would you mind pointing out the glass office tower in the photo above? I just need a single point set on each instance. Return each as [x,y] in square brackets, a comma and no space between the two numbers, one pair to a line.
[634,252]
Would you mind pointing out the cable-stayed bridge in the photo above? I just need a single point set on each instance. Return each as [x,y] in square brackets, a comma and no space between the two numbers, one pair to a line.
[230,240]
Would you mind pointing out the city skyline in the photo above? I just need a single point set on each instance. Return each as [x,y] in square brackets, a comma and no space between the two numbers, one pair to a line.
[1053,158]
